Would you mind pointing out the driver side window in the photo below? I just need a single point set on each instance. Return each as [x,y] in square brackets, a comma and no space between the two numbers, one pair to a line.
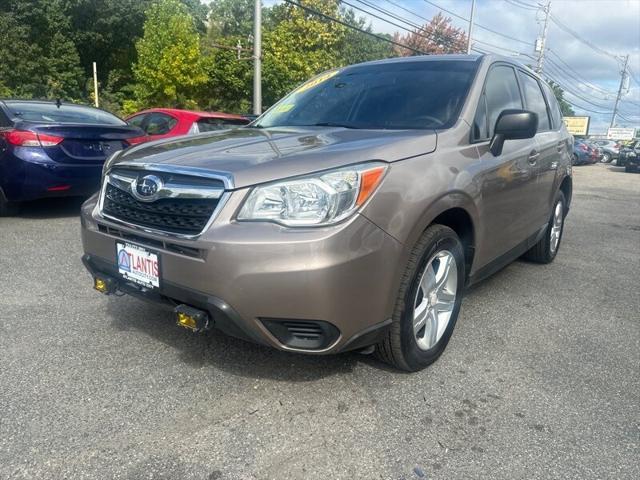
[501,92]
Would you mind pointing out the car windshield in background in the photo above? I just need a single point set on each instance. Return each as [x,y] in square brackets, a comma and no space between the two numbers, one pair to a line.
[211,124]
[50,113]
[403,95]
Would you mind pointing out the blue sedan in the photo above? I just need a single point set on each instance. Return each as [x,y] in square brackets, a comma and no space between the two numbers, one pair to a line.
[55,149]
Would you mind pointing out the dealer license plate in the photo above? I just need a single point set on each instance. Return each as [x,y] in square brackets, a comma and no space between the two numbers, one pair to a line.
[137,264]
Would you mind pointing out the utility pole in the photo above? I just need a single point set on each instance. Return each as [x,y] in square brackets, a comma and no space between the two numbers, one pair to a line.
[541,43]
[95,85]
[473,9]
[622,79]
[257,57]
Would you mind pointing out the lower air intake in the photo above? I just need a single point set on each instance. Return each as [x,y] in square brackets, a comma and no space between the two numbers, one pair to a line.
[302,334]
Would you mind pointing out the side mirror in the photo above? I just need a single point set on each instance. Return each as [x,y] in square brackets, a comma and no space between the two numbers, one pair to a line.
[513,125]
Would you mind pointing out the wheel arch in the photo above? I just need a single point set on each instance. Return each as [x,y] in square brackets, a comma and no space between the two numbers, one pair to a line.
[456,210]
[566,187]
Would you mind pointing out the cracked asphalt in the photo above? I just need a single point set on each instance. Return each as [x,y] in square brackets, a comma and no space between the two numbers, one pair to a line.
[540,380]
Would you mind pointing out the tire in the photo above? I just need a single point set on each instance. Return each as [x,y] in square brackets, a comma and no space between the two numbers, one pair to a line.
[403,348]
[606,158]
[7,208]
[574,159]
[546,249]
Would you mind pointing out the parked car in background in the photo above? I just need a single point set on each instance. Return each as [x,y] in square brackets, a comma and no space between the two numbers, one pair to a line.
[160,123]
[350,215]
[610,150]
[596,152]
[629,157]
[55,149]
[583,153]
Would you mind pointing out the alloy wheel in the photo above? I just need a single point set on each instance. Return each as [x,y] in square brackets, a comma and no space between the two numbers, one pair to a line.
[435,299]
[556,227]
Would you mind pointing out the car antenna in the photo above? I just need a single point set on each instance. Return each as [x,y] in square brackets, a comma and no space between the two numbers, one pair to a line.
[58,102]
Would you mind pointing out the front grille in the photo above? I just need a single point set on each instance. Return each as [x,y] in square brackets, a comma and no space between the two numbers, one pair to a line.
[176,215]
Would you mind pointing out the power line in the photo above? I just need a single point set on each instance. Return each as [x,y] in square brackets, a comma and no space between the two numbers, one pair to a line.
[353,27]
[573,103]
[402,19]
[526,6]
[453,14]
[632,75]
[571,32]
[577,75]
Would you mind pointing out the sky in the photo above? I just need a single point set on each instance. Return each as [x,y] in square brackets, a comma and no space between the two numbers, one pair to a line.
[611,26]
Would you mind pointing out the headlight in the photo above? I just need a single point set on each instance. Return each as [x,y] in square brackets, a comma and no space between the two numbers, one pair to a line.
[315,200]
[109,161]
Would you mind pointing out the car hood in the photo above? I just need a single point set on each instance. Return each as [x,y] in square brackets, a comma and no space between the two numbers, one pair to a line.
[253,155]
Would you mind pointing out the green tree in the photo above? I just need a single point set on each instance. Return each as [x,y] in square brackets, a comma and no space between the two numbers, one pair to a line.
[169,69]
[21,64]
[231,18]
[359,47]
[565,107]
[300,46]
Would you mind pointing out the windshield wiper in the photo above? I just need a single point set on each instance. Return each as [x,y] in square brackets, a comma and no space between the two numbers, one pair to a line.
[331,124]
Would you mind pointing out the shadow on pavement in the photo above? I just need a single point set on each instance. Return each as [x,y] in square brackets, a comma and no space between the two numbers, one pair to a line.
[232,355]
[51,208]
[240,357]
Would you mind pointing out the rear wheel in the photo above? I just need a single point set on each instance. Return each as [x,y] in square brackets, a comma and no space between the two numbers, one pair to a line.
[7,208]
[606,158]
[547,248]
[428,301]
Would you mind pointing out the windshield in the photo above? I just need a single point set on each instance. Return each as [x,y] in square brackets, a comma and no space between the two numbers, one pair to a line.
[402,95]
[50,113]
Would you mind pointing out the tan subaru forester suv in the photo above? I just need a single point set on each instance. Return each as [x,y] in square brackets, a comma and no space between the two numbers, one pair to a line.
[349,216]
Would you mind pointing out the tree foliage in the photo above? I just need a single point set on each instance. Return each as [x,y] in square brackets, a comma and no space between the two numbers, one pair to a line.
[436,36]
[169,67]
[565,107]
[182,53]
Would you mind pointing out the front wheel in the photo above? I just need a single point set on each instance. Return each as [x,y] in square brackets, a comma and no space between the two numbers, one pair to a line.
[606,158]
[428,301]
[547,248]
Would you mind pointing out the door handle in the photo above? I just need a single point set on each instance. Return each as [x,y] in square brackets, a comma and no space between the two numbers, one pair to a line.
[560,147]
[533,157]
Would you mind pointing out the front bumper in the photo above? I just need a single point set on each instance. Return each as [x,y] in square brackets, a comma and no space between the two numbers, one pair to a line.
[249,274]
[23,180]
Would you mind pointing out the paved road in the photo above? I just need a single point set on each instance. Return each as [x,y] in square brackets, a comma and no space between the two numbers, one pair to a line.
[540,380]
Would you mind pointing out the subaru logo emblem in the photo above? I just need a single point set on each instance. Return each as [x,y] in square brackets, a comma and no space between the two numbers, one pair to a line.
[147,188]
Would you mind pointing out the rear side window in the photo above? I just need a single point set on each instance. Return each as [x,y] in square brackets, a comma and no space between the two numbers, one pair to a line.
[554,108]
[502,93]
[211,124]
[159,123]
[535,101]
[51,113]
[137,120]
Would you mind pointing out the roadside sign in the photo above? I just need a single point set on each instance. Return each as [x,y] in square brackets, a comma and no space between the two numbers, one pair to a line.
[621,133]
[577,125]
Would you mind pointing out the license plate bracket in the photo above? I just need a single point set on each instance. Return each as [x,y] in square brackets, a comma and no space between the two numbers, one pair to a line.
[138,264]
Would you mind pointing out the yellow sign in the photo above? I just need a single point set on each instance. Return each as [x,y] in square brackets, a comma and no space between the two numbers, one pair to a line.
[577,125]
[317,81]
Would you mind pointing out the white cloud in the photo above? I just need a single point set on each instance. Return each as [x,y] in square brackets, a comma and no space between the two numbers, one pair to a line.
[611,25]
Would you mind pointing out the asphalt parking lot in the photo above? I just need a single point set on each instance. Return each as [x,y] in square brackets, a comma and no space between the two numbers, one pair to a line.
[540,380]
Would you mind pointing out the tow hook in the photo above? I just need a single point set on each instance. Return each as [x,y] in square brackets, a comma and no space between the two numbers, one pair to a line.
[191,318]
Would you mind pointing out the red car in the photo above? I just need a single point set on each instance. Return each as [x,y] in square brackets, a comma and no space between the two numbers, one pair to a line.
[170,122]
